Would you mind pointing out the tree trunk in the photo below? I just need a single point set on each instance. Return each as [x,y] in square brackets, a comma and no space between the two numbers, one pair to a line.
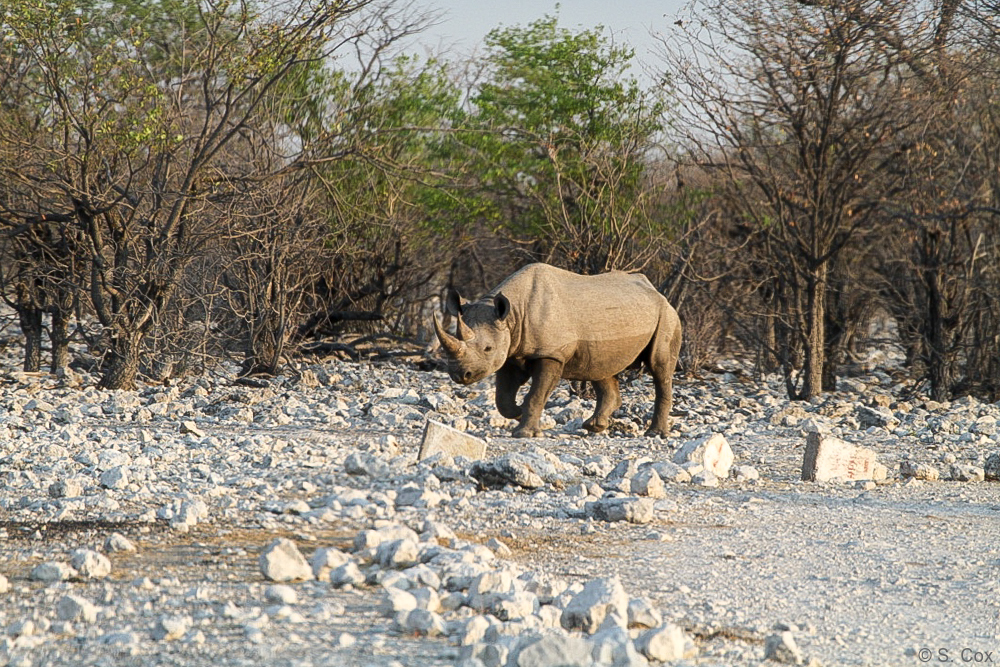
[264,357]
[30,317]
[816,332]
[266,344]
[31,326]
[60,341]
[769,362]
[788,337]
[937,358]
[122,366]
[935,332]
[836,348]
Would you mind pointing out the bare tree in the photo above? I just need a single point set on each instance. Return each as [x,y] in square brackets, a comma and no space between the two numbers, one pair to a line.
[274,253]
[135,114]
[942,275]
[940,270]
[39,276]
[800,108]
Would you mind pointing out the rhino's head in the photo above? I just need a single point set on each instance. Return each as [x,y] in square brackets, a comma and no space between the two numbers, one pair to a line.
[483,339]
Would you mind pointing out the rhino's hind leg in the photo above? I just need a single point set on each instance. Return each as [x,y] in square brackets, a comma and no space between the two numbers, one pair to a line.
[545,374]
[608,400]
[662,404]
[662,362]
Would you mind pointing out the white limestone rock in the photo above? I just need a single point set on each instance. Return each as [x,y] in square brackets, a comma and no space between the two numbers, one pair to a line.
[421,622]
[348,574]
[781,647]
[489,586]
[170,628]
[665,643]
[370,539]
[118,543]
[90,564]
[398,554]
[115,478]
[588,608]
[647,482]
[282,561]
[614,646]
[827,458]
[630,509]
[642,614]
[397,600]
[52,571]
[345,640]
[471,631]
[713,452]
[442,439]
[912,470]
[427,598]
[75,608]
[281,594]
[325,559]
[553,649]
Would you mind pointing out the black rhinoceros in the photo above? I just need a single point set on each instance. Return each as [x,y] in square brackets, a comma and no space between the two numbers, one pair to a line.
[543,323]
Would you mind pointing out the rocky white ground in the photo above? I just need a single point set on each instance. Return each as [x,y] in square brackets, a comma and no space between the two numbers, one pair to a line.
[202,478]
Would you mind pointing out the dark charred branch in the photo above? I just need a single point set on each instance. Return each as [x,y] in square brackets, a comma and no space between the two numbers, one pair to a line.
[330,322]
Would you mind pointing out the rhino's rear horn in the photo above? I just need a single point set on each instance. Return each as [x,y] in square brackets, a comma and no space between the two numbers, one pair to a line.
[451,344]
[464,331]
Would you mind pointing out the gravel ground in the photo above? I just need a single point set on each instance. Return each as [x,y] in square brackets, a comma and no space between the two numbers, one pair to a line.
[200,478]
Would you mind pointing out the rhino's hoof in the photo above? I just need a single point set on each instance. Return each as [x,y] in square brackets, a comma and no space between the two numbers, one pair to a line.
[595,426]
[658,432]
[527,432]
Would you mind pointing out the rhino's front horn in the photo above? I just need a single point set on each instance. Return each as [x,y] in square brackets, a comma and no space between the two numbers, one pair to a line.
[448,342]
[464,332]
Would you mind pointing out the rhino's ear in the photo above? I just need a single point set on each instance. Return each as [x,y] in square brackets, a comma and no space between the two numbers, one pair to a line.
[502,305]
[453,303]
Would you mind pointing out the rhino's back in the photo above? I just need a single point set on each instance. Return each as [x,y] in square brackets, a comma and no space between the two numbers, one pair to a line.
[596,324]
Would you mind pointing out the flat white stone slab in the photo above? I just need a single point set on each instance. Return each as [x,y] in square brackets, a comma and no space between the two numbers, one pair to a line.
[828,458]
[442,439]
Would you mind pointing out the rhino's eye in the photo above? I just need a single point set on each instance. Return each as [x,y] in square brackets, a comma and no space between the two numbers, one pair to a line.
[489,348]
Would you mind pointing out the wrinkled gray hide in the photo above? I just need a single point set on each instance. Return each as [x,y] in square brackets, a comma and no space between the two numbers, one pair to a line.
[543,323]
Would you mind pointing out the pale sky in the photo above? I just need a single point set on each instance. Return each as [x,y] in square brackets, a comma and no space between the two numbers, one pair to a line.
[466,22]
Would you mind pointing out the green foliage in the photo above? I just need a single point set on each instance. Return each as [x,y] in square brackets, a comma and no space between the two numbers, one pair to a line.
[561,134]
[574,87]
[387,139]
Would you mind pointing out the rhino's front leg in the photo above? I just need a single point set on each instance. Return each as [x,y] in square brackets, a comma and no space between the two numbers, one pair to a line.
[608,400]
[545,374]
[510,377]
